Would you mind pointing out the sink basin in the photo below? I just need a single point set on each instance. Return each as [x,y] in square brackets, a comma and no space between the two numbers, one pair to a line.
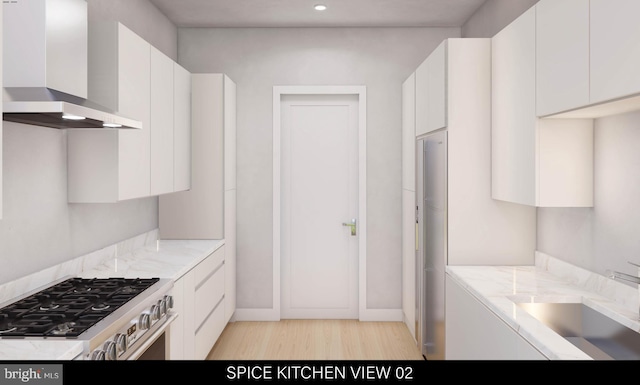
[599,336]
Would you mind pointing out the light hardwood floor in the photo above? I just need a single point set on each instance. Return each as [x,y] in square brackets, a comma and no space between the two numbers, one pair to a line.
[315,340]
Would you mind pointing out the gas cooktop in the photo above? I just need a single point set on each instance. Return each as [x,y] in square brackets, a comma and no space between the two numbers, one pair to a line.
[69,308]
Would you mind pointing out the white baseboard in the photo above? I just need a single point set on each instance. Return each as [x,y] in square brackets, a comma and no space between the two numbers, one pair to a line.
[410,325]
[374,315]
[382,315]
[256,315]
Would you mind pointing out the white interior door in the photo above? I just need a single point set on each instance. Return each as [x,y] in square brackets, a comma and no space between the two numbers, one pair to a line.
[319,193]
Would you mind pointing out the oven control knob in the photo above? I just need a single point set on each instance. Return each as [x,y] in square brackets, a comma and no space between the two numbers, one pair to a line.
[162,304]
[154,312]
[98,355]
[110,351]
[169,300]
[144,322]
[121,342]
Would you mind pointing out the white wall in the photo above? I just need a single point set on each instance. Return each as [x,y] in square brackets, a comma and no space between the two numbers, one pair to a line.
[40,229]
[257,60]
[494,15]
[607,235]
[141,17]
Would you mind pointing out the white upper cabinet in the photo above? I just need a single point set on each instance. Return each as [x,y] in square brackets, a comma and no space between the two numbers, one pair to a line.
[408,133]
[535,162]
[431,92]
[229,134]
[114,165]
[615,49]
[562,55]
[162,123]
[130,76]
[182,129]
[200,212]
[587,58]
[513,111]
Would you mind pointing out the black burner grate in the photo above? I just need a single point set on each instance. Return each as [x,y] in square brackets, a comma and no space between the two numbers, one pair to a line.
[69,308]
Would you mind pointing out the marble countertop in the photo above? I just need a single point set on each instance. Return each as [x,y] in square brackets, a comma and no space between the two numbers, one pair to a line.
[162,259]
[167,259]
[550,280]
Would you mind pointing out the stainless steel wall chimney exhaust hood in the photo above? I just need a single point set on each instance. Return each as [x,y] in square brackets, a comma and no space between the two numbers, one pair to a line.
[45,67]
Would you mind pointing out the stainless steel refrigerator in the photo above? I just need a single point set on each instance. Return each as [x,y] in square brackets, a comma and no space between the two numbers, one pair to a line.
[431,254]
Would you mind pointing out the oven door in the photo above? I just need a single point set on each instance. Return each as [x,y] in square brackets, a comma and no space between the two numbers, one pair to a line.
[155,346]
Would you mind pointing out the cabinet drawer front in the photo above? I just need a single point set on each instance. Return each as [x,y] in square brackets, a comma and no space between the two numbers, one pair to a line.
[208,333]
[208,294]
[207,266]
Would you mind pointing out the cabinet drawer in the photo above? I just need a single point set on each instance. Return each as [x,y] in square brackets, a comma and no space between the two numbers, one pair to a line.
[204,269]
[209,331]
[208,294]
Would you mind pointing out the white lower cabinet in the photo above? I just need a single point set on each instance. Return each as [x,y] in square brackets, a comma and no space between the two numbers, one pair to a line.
[199,300]
[473,332]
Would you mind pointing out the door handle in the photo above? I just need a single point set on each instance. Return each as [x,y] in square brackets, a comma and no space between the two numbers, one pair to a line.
[352,225]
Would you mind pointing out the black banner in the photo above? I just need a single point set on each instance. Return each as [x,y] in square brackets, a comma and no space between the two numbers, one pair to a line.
[282,372]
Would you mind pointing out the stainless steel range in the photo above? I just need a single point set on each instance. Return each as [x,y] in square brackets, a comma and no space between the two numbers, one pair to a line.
[115,318]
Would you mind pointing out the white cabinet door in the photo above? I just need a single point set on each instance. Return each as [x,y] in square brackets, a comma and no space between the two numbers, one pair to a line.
[177,329]
[473,332]
[229,134]
[535,162]
[562,55]
[526,351]
[431,92]
[230,196]
[409,202]
[230,253]
[615,49]
[422,95]
[209,279]
[182,129]
[161,124]
[408,133]
[198,213]
[114,165]
[189,315]
[134,85]
[514,111]
[409,259]
[437,94]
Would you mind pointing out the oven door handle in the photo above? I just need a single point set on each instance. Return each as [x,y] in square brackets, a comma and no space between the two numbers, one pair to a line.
[143,348]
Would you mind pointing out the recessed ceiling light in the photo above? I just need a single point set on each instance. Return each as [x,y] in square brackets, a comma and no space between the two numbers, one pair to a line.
[320,7]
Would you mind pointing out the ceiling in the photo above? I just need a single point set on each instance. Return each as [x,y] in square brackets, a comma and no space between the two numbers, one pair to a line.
[300,13]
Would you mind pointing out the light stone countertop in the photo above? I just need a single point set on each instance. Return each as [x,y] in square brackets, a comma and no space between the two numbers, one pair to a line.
[495,286]
[162,259]
[550,280]
[167,259]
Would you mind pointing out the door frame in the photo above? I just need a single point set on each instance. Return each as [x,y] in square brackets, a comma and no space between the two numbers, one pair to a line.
[361,92]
